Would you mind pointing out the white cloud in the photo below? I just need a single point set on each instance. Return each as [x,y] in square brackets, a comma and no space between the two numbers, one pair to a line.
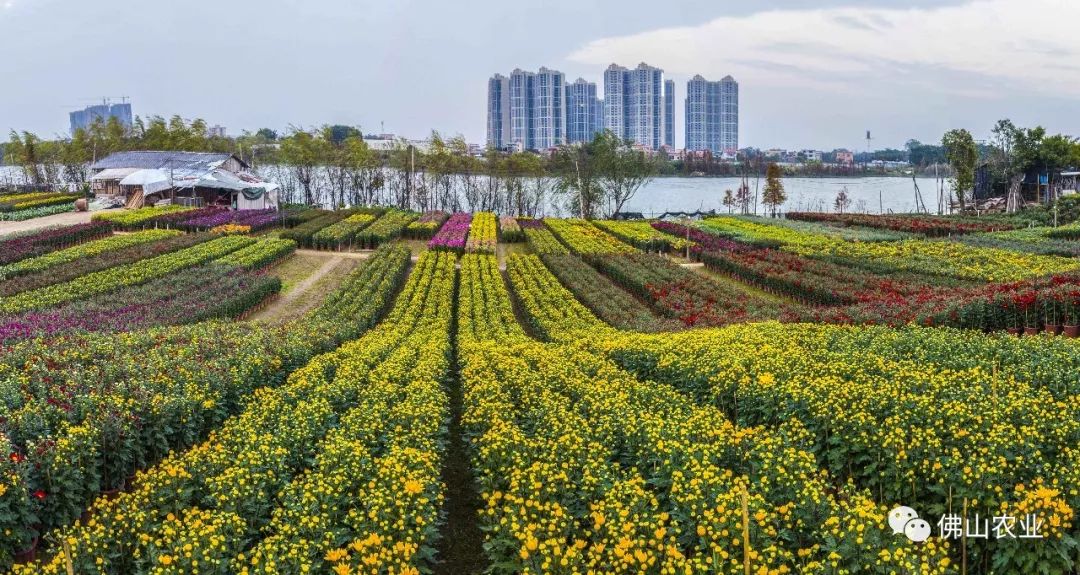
[978,49]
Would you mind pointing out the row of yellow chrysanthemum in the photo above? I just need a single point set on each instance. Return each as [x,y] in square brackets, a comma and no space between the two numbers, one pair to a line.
[583,467]
[208,397]
[906,428]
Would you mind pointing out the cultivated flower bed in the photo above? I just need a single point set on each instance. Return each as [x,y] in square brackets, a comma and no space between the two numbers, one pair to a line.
[453,234]
[40,242]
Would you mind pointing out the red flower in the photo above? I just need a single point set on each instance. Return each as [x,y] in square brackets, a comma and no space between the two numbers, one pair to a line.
[39,494]
[16,457]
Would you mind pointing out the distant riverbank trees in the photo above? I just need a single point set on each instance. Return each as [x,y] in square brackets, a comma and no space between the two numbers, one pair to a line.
[334,165]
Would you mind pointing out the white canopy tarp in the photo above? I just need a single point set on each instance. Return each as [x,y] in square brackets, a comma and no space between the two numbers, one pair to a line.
[113,174]
[218,179]
[152,181]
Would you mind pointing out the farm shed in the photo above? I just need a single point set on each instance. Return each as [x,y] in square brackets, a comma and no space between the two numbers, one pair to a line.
[192,178]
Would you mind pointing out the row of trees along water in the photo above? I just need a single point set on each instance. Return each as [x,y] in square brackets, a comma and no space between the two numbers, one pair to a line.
[334,166]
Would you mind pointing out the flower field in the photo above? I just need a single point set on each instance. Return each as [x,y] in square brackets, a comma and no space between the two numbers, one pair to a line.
[932,226]
[255,220]
[453,234]
[644,236]
[389,226]
[587,402]
[35,243]
[108,259]
[584,238]
[482,233]
[79,252]
[40,212]
[425,227]
[143,217]
[125,275]
[542,241]
[304,232]
[16,204]
[342,233]
[510,231]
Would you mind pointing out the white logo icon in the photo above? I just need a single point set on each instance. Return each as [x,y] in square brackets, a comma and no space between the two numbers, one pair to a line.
[900,516]
[905,520]
[918,530]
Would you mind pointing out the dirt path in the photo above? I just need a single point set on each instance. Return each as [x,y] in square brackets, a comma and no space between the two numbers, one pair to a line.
[326,254]
[64,219]
[308,293]
[744,287]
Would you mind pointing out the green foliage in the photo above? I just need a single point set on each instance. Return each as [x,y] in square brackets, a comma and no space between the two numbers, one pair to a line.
[599,177]
[774,195]
[962,154]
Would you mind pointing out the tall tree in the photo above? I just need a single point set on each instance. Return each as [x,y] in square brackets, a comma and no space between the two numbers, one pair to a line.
[743,197]
[729,200]
[623,170]
[842,200]
[29,152]
[576,169]
[774,195]
[962,154]
[75,156]
[302,152]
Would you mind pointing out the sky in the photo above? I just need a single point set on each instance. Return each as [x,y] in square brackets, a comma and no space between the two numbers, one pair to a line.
[812,75]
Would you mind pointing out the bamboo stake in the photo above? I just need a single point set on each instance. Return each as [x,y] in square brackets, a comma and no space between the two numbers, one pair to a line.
[746,533]
[963,542]
[67,557]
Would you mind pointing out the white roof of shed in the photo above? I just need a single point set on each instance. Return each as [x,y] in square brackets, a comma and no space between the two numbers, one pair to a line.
[113,174]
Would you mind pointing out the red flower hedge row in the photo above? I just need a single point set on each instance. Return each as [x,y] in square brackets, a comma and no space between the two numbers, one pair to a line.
[917,224]
[48,240]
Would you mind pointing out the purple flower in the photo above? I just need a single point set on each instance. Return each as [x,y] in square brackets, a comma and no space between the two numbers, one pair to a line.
[253,218]
[453,234]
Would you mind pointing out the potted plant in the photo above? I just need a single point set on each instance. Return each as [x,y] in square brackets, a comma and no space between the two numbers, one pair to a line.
[1013,317]
[1072,314]
[1052,320]
[1025,301]
[17,517]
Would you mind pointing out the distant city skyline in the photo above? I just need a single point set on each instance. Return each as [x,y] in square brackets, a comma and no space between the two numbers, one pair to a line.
[638,105]
[83,119]
[812,75]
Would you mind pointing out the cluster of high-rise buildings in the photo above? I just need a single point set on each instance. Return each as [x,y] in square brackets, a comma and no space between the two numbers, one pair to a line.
[83,119]
[539,110]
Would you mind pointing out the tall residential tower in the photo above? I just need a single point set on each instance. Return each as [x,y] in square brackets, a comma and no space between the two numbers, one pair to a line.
[583,112]
[729,115]
[669,113]
[712,116]
[635,105]
[527,111]
[522,98]
[549,110]
[498,112]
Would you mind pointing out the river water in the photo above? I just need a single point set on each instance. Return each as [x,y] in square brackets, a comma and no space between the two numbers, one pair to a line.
[872,195]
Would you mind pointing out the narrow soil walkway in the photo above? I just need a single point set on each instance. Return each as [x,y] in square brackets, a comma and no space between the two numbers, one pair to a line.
[747,288]
[461,546]
[305,295]
[354,255]
[64,219]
